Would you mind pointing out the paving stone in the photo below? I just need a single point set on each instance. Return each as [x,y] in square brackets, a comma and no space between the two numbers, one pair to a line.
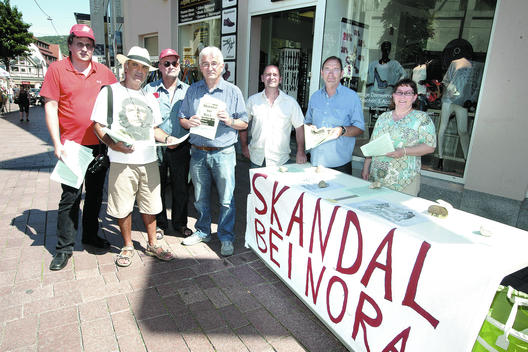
[242,298]
[160,334]
[131,343]
[49,304]
[209,319]
[117,303]
[146,304]
[217,297]
[197,341]
[287,344]
[252,340]
[20,333]
[234,318]
[93,310]
[124,323]
[225,340]
[104,343]
[191,294]
[56,318]
[66,335]
[246,275]
[267,325]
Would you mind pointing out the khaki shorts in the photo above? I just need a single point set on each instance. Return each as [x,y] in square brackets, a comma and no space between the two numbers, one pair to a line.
[128,183]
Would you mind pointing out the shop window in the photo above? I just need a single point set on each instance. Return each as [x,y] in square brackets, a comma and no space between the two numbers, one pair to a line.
[192,38]
[151,44]
[440,44]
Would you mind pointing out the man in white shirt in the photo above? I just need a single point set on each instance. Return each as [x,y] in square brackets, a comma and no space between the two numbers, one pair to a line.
[272,114]
[134,173]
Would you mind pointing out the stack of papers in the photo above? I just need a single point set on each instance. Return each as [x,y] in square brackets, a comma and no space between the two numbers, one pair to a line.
[380,146]
[72,168]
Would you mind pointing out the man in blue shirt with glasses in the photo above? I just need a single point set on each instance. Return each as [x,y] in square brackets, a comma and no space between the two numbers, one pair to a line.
[337,107]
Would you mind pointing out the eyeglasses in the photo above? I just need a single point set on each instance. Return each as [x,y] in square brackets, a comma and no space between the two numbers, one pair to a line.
[80,45]
[169,63]
[332,70]
[213,64]
[408,93]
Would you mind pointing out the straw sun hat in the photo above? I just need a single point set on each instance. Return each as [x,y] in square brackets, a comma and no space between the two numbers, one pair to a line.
[137,54]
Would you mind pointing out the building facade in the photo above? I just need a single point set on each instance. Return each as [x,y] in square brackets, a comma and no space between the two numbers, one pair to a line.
[481,143]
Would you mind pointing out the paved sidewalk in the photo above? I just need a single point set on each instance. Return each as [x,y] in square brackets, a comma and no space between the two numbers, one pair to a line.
[198,302]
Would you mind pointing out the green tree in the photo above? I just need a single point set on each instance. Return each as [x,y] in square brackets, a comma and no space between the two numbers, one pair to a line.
[14,33]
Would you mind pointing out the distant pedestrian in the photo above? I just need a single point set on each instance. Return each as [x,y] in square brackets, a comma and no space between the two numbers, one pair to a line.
[23,103]
[70,89]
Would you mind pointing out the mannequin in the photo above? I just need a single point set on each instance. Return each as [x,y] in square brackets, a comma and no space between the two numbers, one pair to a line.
[456,98]
[382,76]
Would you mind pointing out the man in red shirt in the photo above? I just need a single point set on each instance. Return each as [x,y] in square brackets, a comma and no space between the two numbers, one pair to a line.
[70,88]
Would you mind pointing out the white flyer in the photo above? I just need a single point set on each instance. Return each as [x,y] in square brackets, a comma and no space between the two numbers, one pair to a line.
[207,111]
[380,146]
[72,168]
[314,137]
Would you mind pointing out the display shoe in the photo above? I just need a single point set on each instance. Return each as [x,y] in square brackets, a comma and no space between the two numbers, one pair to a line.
[228,22]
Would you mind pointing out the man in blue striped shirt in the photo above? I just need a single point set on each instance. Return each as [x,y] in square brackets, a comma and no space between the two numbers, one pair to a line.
[214,158]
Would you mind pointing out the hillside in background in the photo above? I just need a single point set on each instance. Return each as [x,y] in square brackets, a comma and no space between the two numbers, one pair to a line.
[57,39]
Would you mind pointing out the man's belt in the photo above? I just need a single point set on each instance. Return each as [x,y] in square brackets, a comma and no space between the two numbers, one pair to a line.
[206,149]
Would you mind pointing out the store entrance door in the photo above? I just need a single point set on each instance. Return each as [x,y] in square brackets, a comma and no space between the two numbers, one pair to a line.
[284,39]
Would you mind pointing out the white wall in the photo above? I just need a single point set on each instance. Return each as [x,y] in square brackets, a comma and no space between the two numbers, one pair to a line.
[498,160]
[150,17]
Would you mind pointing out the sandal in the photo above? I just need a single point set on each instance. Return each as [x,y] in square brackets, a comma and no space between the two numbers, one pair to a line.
[184,231]
[158,252]
[124,258]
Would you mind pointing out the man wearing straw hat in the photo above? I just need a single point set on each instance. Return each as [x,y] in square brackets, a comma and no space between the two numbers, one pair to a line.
[70,88]
[134,174]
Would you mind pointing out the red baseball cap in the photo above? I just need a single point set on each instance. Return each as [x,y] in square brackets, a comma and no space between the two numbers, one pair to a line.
[82,30]
[168,52]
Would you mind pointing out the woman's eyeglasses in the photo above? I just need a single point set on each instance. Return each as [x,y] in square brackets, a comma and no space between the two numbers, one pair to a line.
[173,63]
[409,93]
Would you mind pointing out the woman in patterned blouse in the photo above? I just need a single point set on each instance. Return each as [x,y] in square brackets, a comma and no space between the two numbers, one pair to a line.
[412,133]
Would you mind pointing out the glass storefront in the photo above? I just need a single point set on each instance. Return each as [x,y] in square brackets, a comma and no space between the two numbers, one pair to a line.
[286,41]
[192,38]
[440,44]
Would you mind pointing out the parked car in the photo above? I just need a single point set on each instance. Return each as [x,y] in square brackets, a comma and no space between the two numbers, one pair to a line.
[34,97]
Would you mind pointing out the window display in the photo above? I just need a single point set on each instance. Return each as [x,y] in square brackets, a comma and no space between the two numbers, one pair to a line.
[192,38]
[440,45]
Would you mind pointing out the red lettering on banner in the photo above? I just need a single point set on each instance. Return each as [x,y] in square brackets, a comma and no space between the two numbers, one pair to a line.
[317,219]
[403,336]
[290,248]
[259,195]
[297,219]
[351,217]
[412,286]
[387,241]
[259,235]
[345,298]
[363,319]
[273,246]
[309,275]
[274,199]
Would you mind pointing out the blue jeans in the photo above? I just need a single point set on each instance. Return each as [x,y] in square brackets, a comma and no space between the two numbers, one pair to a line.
[220,166]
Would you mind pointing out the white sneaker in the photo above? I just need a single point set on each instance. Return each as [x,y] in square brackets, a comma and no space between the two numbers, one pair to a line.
[195,238]
[227,248]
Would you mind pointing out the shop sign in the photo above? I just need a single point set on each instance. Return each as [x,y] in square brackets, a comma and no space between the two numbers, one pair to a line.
[192,10]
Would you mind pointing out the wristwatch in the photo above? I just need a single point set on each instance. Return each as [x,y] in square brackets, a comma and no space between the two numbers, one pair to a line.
[343,130]
[166,139]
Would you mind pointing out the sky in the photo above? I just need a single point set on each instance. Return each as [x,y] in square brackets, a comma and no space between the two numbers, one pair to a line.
[61,11]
